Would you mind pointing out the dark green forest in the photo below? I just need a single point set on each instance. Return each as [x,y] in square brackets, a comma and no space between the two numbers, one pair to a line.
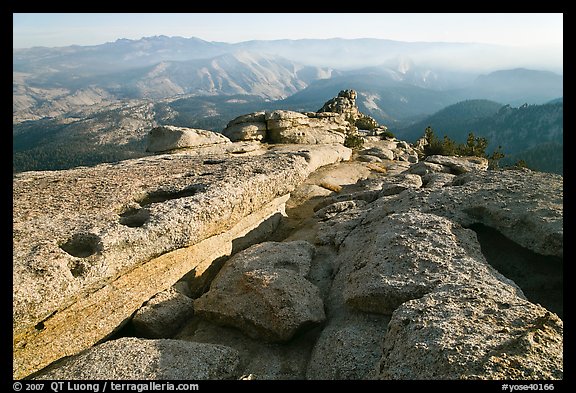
[56,156]
[533,133]
[48,144]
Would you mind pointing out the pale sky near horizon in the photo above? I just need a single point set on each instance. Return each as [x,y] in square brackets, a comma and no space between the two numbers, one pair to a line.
[515,29]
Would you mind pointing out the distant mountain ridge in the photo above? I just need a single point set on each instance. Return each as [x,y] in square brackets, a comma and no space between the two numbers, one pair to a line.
[49,82]
[129,53]
[333,52]
[56,92]
[118,55]
[234,73]
[518,86]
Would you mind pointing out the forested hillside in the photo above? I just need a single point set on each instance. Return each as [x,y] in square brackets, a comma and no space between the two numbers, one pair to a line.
[533,133]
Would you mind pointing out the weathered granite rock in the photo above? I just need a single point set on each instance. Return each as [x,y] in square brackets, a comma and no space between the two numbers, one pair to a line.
[377,131]
[86,239]
[246,148]
[449,164]
[182,286]
[335,230]
[404,145]
[525,206]
[132,358]
[317,192]
[437,180]
[423,168]
[350,344]
[290,127]
[381,152]
[408,255]
[350,347]
[397,167]
[406,155]
[388,149]
[337,118]
[402,284]
[368,190]
[398,183]
[369,158]
[249,127]
[379,143]
[365,122]
[166,138]
[393,250]
[297,128]
[469,331]
[258,358]
[263,292]
[459,165]
[345,102]
[163,315]
[338,207]
[330,121]
[316,156]
[420,144]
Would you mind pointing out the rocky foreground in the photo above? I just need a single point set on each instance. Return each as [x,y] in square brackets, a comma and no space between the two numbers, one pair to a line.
[246,260]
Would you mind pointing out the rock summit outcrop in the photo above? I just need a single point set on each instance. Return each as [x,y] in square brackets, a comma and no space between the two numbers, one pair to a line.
[289,127]
[165,138]
[345,104]
[338,118]
[409,257]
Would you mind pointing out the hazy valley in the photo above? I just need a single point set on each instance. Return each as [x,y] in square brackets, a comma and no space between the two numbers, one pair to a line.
[84,105]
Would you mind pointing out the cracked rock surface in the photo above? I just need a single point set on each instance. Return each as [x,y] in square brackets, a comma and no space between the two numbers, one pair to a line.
[264,292]
[77,231]
[131,358]
[377,272]
[77,228]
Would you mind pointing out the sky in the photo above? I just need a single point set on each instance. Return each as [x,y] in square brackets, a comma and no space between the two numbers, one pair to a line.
[63,29]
